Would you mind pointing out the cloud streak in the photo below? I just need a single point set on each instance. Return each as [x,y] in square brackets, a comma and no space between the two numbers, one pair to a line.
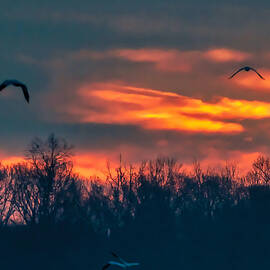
[167,59]
[222,55]
[117,103]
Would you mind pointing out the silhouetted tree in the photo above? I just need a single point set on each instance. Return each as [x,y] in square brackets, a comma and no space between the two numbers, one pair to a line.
[260,172]
[6,205]
[42,187]
[167,218]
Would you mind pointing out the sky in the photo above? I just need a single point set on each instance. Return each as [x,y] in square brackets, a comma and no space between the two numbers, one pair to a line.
[138,78]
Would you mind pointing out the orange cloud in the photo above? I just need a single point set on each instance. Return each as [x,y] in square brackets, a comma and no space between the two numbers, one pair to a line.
[226,55]
[115,103]
[227,108]
[251,80]
[167,59]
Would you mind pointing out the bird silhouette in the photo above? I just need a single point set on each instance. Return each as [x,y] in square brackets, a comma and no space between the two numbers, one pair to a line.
[6,83]
[122,263]
[247,69]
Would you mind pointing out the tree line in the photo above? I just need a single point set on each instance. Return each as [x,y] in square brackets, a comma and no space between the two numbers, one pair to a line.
[156,214]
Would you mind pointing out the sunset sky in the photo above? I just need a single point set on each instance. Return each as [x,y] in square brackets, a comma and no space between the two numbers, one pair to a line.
[143,78]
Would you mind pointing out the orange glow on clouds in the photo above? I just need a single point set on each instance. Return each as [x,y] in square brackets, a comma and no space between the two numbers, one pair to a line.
[251,80]
[95,164]
[167,59]
[155,109]
[227,108]
[226,55]
[175,60]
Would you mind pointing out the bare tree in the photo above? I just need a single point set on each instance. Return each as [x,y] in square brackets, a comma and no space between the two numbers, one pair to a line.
[40,186]
[6,206]
[197,170]
[260,172]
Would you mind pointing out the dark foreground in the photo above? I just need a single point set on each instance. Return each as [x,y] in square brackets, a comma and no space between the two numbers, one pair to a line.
[156,215]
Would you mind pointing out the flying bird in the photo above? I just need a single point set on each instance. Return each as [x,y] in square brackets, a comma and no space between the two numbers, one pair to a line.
[122,263]
[247,69]
[6,83]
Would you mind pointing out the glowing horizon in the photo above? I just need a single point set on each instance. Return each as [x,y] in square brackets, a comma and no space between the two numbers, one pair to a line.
[96,165]
[141,84]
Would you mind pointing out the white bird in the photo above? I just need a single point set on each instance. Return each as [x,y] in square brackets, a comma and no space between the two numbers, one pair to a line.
[122,263]
[108,233]
[247,69]
[6,83]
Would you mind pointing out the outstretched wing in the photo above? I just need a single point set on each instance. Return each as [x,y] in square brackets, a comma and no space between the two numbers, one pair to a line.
[25,92]
[105,266]
[258,73]
[3,85]
[133,264]
[18,84]
[119,258]
[117,264]
[240,69]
